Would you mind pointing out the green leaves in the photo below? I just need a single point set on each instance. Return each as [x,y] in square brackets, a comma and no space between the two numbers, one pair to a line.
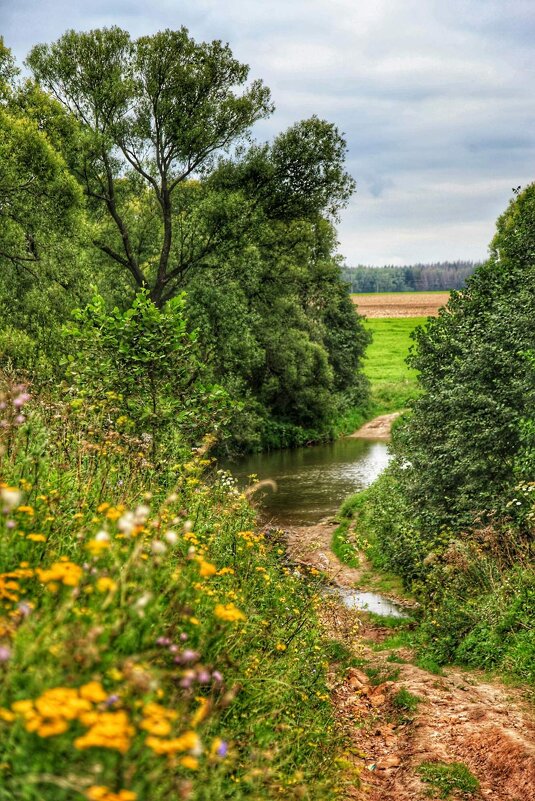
[156,111]
[147,359]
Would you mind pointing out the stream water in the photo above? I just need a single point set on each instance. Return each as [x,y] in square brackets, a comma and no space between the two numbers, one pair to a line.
[311,485]
[312,482]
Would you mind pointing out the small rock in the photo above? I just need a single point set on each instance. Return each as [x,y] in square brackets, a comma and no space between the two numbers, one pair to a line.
[377,700]
[391,761]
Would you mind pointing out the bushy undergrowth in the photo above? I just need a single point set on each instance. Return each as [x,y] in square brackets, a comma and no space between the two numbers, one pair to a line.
[477,588]
[153,644]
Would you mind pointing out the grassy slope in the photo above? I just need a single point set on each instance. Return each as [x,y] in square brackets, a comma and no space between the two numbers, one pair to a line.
[202,642]
[393,382]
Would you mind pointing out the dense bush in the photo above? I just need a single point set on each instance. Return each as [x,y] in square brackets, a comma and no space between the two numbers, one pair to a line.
[454,513]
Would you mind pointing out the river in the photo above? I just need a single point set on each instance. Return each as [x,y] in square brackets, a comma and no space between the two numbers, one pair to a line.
[312,482]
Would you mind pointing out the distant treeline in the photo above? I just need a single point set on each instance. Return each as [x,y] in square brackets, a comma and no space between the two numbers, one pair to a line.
[416,277]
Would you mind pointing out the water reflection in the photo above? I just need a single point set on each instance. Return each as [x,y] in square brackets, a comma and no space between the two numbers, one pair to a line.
[312,482]
[368,602]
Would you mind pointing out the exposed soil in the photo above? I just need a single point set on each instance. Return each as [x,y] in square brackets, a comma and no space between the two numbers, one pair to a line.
[401,304]
[378,429]
[462,716]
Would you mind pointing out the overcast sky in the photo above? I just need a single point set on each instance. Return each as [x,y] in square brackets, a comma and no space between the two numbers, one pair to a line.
[436,99]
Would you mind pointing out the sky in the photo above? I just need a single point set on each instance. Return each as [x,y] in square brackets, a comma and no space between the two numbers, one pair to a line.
[435,99]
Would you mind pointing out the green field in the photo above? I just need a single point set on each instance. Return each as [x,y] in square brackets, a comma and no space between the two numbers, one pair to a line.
[393,382]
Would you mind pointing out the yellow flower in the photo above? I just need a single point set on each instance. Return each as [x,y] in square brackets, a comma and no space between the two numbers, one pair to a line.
[101,793]
[64,572]
[52,727]
[228,612]
[93,691]
[189,762]
[206,569]
[95,547]
[280,646]
[106,584]
[202,711]
[189,741]
[28,510]
[7,715]
[36,537]
[107,730]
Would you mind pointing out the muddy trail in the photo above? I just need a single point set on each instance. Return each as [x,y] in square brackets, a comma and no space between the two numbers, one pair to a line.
[397,715]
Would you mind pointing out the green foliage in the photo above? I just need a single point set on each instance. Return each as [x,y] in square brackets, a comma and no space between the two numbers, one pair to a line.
[143,365]
[286,334]
[453,514]
[343,547]
[465,434]
[447,778]
[405,700]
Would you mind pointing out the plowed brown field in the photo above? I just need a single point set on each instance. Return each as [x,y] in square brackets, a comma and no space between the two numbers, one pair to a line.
[401,304]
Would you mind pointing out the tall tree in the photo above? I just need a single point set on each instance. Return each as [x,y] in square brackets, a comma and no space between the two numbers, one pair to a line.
[155,113]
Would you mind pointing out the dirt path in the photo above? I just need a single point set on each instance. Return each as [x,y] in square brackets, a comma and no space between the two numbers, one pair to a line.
[460,716]
[377,429]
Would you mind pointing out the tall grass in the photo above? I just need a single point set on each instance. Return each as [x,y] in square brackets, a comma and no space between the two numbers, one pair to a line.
[153,643]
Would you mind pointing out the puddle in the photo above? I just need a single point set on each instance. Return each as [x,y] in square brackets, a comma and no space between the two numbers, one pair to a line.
[368,602]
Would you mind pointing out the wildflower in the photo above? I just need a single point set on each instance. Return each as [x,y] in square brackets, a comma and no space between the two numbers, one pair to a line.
[217,676]
[189,741]
[5,653]
[189,762]
[101,793]
[201,712]
[11,497]
[158,547]
[106,730]
[20,400]
[164,641]
[188,656]
[36,537]
[140,515]
[203,677]
[206,569]
[218,748]
[62,572]
[106,584]
[27,510]
[280,646]
[100,543]
[171,537]
[127,523]
[228,612]
[93,691]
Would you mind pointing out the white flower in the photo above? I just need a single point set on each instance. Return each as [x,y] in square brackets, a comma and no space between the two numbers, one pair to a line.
[102,536]
[11,497]
[188,526]
[126,523]
[141,514]
[158,547]
[171,537]
[143,600]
